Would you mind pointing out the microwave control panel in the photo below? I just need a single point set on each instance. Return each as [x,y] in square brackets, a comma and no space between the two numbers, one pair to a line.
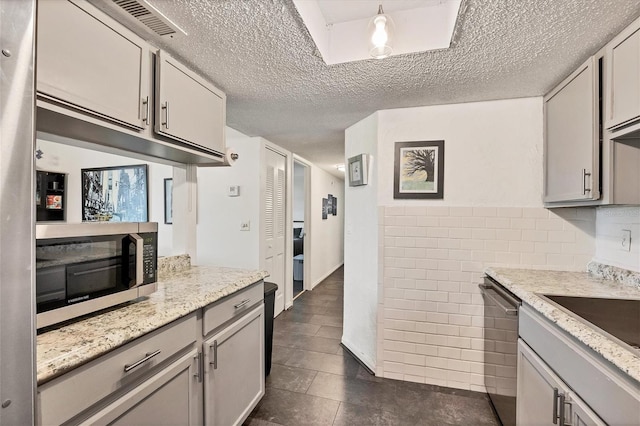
[149,258]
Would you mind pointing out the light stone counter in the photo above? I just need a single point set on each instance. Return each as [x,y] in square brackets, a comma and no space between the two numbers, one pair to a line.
[527,283]
[179,293]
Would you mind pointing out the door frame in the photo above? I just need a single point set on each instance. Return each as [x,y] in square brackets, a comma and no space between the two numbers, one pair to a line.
[288,235]
[308,234]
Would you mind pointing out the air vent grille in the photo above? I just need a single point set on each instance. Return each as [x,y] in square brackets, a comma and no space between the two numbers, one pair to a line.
[149,16]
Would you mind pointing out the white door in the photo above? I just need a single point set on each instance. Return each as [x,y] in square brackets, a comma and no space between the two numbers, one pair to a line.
[274,225]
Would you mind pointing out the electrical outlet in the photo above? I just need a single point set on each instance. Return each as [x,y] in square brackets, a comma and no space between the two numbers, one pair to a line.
[626,240]
[245,226]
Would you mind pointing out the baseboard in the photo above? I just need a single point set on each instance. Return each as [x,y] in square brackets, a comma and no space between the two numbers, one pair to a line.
[367,363]
[325,276]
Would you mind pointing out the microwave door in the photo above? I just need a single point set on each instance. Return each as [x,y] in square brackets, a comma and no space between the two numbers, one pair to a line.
[136,275]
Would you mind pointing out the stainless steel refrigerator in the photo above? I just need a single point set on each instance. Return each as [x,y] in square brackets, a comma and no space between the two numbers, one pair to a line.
[17,105]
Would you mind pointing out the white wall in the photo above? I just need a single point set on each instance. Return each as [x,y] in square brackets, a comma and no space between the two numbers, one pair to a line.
[298,192]
[70,159]
[610,221]
[220,241]
[493,151]
[326,236]
[361,269]
[432,252]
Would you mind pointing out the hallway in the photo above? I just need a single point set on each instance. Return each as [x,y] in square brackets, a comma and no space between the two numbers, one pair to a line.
[313,381]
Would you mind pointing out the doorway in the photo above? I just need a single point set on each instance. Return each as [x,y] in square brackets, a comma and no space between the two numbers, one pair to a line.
[299,228]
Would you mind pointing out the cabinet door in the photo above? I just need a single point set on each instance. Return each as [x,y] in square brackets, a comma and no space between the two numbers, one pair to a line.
[571,116]
[188,108]
[623,72]
[234,360]
[171,397]
[544,399]
[538,390]
[88,61]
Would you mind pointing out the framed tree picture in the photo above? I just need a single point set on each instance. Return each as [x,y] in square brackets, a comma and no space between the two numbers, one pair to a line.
[419,170]
[115,194]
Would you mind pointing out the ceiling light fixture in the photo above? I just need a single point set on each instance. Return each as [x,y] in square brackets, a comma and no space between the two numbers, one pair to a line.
[340,167]
[381,29]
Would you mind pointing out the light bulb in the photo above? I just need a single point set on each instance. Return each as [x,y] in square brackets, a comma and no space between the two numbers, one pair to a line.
[379,37]
[381,32]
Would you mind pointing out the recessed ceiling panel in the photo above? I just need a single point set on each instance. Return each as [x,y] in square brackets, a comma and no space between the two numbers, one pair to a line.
[339,28]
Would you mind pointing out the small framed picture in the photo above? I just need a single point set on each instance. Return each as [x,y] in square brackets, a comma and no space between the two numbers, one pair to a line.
[419,170]
[358,170]
[168,201]
[325,208]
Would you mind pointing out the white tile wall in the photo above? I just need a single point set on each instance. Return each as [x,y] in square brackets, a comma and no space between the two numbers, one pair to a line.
[610,223]
[430,315]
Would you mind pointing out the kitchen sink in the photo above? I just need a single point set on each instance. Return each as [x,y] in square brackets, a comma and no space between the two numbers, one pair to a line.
[618,317]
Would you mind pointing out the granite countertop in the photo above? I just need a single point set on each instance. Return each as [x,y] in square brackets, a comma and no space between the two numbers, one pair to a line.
[527,284]
[179,293]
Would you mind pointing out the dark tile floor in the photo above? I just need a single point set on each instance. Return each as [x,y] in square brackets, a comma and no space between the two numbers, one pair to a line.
[313,381]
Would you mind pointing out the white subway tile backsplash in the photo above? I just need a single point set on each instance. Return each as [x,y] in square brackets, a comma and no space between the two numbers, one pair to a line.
[485,211]
[434,260]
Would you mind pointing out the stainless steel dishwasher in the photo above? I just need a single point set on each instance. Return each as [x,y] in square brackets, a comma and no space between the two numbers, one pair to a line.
[500,348]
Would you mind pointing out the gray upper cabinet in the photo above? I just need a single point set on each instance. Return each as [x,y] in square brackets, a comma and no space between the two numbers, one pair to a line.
[571,120]
[623,71]
[90,62]
[188,108]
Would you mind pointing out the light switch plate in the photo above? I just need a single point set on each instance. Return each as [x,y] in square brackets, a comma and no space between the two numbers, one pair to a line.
[626,240]
[234,191]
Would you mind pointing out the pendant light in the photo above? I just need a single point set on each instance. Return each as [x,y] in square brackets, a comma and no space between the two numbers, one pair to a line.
[381,29]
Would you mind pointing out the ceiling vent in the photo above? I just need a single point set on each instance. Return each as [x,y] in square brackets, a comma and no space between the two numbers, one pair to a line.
[150,17]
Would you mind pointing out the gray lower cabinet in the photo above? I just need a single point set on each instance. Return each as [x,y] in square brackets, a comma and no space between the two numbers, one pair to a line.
[165,377]
[544,399]
[188,108]
[571,137]
[234,370]
[90,62]
[561,381]
[172,397]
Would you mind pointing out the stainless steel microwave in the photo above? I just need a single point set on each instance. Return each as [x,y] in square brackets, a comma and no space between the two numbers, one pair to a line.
[85,267]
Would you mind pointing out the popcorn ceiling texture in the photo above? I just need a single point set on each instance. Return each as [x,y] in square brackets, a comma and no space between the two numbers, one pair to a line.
[278,87]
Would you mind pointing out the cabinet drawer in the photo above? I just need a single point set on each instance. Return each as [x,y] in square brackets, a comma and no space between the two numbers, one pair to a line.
[68,395]
[239,303]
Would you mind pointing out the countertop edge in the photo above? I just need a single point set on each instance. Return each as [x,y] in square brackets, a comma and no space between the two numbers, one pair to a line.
[51,367]
[610,350]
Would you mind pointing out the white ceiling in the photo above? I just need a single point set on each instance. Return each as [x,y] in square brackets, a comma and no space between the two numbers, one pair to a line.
[261,54]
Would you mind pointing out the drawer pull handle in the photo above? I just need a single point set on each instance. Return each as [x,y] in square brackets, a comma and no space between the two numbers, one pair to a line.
[165,107]
[215,354]
[199,373]
[148,356]
[241,304]
[145,103]
[584,183]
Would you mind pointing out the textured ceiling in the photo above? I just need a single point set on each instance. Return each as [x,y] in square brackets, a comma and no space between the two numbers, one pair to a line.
[261,55]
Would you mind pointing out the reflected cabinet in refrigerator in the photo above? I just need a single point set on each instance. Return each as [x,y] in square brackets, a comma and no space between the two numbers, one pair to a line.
[51,197]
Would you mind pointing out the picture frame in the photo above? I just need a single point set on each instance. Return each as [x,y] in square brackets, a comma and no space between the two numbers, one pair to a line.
[334,206]
[168,201]
[358,170]
[419,170]
[115,194]
[325,208]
